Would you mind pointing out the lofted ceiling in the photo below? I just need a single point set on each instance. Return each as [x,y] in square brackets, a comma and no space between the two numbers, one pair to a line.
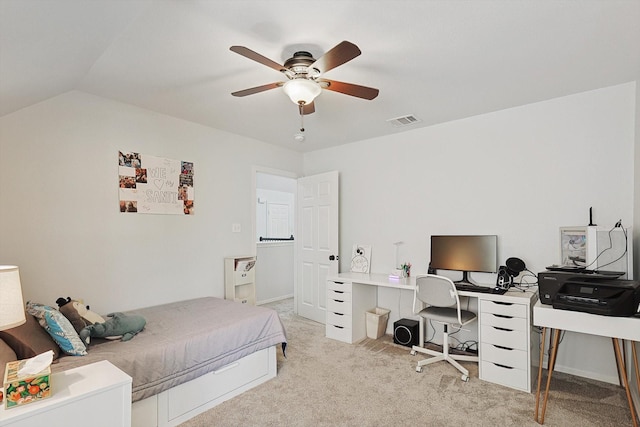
[435,60]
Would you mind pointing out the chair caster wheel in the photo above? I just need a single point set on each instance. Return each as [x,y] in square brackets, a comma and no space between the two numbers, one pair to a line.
[465,378]
[413,352]
[419,369]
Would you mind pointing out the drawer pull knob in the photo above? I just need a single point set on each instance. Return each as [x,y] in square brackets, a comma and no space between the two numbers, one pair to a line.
[338,300]
[339,327]
[502,303]
[502,348]
[339,283]
[338,314]
[339,292]
[503,316]
[503,329]
[503,366]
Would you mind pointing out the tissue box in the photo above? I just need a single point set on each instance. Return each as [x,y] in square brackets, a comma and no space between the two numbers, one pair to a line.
[21,389]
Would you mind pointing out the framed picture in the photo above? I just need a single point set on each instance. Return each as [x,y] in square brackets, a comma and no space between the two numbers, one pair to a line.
[361,258]
[573,246]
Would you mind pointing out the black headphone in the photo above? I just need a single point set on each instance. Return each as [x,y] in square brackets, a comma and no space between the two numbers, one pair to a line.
[515,266]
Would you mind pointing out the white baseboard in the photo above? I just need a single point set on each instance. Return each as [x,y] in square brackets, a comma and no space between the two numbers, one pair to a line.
[279,298]
[584,374]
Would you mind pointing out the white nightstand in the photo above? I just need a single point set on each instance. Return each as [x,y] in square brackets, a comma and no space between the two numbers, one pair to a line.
[98,395]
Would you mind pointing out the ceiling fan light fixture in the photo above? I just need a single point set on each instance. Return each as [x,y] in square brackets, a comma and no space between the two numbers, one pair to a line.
[302,91]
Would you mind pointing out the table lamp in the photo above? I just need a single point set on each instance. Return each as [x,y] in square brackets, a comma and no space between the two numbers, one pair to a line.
[11,303]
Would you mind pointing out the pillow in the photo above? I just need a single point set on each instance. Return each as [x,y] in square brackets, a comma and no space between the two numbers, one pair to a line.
[6,355]
[29,340]
[59,327]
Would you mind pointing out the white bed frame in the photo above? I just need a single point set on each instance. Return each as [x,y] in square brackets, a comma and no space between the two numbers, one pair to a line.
[185,401]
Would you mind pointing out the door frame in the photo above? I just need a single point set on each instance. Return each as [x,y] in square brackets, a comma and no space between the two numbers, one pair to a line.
[254,197]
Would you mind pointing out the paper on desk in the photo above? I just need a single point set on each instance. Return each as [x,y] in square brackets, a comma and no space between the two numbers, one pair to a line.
[36,364]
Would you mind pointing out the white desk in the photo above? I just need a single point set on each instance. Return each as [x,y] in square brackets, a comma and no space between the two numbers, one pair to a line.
[617,328]
[505,341]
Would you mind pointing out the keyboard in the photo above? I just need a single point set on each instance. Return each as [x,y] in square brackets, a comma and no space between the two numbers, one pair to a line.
[481,289]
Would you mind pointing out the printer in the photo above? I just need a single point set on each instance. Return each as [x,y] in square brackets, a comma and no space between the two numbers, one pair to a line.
[590,292]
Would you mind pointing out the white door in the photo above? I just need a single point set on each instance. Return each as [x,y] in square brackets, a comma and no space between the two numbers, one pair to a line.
[317,242]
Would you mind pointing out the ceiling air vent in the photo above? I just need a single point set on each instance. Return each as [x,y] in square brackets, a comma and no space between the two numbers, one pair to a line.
[404,120]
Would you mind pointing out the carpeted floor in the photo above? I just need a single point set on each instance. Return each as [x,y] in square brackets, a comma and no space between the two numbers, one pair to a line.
[324,382]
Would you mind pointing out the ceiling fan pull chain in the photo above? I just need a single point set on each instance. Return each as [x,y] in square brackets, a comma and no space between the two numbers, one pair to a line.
[300,107]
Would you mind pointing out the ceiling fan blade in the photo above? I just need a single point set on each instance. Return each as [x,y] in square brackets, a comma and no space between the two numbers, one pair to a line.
[336,56]
[308,109]
[248,53]
[256,89]
[350,89]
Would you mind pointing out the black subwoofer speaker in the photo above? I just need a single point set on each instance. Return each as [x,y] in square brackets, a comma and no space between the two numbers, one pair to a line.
[406,332]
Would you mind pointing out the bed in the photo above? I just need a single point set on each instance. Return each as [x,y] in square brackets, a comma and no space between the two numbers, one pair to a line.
[191,356]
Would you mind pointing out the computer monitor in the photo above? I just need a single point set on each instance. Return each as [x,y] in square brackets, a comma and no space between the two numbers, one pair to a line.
[465,253]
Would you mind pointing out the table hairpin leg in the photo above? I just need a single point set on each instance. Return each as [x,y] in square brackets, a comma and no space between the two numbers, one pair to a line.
[552,364]
[618,350]
[635,364]
[554,343]
[620,380]
[535,415]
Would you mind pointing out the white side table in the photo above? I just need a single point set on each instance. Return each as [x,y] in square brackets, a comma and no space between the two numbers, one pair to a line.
[98,394]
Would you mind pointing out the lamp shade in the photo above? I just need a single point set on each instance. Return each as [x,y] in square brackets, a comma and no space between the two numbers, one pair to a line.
[11,303]
[302,90]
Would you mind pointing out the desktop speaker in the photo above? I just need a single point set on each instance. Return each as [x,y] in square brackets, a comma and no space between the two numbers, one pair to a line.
[406,332]
[505,278]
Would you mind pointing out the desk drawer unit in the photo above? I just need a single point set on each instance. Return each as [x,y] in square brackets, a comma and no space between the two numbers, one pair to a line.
[504,375]
[347,304]
[505,340]
[338,306]
[339,311]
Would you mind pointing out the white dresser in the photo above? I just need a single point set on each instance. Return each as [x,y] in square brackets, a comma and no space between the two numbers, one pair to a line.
[98,395]
[507,348]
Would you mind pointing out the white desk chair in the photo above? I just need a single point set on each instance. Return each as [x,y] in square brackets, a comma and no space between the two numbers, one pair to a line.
[441,296]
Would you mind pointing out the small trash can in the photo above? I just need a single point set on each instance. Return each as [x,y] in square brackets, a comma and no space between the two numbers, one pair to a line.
[377,319]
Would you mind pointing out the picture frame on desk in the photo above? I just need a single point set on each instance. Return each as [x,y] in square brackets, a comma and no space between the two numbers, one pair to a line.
[361,258]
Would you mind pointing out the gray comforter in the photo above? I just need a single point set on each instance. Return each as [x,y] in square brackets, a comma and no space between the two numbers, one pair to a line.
[183,341]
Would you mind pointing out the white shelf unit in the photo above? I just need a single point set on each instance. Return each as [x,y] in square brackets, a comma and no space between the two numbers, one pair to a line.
[239,279]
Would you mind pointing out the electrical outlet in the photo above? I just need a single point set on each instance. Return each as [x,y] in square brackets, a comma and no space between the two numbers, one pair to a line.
[235,228]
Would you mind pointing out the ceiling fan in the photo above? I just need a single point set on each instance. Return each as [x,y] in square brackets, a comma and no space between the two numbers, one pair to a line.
[304,73]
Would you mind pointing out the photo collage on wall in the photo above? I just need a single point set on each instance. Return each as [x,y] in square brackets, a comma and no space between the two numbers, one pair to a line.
[155,185]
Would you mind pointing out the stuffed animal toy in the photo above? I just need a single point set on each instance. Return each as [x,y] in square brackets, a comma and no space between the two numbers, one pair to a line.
[123,325]
[77,313]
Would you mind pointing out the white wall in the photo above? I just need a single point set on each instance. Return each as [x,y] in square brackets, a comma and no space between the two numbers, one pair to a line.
[274,271]
[519,173]
[59,204]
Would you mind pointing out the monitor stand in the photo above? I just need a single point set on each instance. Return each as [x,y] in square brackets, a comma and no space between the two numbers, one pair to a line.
[465,279]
